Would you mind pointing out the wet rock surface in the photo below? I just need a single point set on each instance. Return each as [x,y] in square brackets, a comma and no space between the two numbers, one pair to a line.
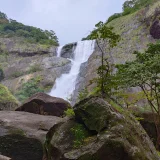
[68,50]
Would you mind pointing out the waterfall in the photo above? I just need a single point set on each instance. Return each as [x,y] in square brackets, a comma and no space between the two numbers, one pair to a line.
[59,51]
[65,85]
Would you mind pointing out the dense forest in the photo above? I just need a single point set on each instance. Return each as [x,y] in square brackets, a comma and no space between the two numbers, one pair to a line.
[12,28]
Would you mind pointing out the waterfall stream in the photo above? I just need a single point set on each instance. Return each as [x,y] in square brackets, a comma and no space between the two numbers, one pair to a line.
[65,85]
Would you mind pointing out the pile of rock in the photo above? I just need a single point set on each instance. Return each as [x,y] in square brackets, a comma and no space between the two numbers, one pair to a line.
[97,131]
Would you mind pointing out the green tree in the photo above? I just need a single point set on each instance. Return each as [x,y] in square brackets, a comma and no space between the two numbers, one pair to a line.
[28,89]
[105,39]
[144,72]
[3,15]
[12,28]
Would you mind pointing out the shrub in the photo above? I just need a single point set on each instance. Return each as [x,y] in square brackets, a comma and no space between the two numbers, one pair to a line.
[12,28]
[6,95]
[69,112]
[114,16]
[80,134]
[28,89]
[83,94]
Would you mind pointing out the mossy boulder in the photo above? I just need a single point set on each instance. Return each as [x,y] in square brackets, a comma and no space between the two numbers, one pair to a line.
[95,116]
[120,136]
[64,137]
[7,100]
[22,134]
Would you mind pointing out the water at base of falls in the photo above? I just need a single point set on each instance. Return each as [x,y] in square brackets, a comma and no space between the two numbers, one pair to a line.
[65,85]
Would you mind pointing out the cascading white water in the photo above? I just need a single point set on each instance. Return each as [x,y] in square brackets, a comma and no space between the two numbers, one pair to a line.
[59,51]
[65,85]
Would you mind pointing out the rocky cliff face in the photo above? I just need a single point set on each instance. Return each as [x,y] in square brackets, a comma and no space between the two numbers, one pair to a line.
[22,61]
[137,30]
[68,50]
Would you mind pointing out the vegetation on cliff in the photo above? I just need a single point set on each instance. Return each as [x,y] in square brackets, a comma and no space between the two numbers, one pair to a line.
[6,96]
[136,80]
[131,6]
[12,28]
[29,88]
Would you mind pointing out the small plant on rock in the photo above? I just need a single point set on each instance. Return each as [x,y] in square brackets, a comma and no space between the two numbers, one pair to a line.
[69,112]
[80,134]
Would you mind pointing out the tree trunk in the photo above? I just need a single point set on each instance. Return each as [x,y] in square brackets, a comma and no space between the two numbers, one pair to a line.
[102,64]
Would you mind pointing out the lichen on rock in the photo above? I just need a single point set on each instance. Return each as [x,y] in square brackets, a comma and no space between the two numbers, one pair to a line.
[118,137]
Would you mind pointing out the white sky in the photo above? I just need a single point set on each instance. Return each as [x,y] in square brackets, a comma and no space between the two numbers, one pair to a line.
[70,19]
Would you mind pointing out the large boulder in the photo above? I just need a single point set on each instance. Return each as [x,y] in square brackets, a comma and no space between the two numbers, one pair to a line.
[7,100]
[95,113]
[99,132]
[22,134]
[44,104]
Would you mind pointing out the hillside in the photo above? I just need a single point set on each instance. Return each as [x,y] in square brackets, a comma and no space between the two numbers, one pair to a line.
[136,30]
[11,28]
[28,58]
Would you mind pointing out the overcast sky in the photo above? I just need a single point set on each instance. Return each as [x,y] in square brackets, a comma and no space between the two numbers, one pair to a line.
[70,19]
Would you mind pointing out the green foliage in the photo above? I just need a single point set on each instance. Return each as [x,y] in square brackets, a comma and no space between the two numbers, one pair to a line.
[114,16]
[109,80]
[83,94]
[131,6]
[5,95]
[3,16]
[28,89]
[12,28]
[139,118]
[144,72]
[102,33]
[80,134]
[69,112]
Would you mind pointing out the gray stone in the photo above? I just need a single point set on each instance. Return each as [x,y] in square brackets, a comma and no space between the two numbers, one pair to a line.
[68,50]
[119,137]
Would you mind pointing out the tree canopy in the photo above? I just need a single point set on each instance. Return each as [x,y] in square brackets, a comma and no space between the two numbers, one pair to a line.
[12,28]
